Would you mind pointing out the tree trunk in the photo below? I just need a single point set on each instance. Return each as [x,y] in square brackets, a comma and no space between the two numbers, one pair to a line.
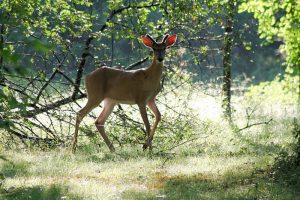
[227,63]
[2,32]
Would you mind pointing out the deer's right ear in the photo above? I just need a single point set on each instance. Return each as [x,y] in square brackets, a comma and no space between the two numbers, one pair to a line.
[147,41]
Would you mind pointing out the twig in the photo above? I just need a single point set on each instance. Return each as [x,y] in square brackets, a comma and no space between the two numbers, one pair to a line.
[34,79]
[180,144]
[22,137]
[137,63]
[256,124]
[52,106]
[44,86]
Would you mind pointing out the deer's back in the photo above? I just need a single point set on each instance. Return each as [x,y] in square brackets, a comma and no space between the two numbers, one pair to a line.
[130,86]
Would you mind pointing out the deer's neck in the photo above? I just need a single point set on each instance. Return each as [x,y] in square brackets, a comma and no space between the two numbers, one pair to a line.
[155,70]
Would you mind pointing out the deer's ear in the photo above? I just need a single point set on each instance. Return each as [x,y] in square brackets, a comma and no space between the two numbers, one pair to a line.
[171,40]
[147,41]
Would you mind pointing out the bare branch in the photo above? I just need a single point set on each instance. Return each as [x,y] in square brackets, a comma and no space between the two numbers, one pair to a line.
[137,63]
[22,137]
[256,124]
[53,105]
[44,86]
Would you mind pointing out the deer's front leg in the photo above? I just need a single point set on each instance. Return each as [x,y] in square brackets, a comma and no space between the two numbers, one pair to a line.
[143,112]
[151,104]
[157,114]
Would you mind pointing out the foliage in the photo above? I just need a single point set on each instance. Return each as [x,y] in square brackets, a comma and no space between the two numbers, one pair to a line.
[278,20]
[29,32]
[286,169]
[296,134]
[50,19]
[279,91]
[292,158]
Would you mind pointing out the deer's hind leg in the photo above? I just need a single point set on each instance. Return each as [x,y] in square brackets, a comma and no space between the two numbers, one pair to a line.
[90,105]
[108,107]
[94,95]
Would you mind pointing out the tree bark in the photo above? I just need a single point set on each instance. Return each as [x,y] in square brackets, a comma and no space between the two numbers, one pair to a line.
[2,32]
[80,67]
[227,58]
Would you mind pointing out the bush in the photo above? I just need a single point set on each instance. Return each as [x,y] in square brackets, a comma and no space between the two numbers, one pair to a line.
[287,164]
[279,91]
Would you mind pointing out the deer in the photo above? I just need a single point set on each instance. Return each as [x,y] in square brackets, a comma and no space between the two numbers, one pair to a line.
[116,86]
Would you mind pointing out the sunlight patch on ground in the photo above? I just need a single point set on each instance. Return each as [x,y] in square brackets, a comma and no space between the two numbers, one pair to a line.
[206,165]
[207,107]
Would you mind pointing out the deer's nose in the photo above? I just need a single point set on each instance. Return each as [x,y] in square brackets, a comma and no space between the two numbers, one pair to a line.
[160,59]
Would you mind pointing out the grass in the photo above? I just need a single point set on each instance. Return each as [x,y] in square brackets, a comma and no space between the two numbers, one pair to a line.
[220,163]
[58,175]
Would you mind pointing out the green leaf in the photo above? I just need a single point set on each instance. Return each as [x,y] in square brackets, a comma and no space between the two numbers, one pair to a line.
[65,12]
[41,46]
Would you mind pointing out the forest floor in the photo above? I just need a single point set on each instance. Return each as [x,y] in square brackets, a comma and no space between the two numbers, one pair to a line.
[226,163]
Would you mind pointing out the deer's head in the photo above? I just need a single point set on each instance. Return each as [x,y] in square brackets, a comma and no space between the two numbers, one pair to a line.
[159,48]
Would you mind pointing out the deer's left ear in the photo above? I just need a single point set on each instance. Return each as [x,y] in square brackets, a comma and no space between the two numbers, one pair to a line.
[171,40]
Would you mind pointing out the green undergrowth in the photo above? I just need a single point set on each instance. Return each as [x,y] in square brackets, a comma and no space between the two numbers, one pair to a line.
[249,159]
[221,164]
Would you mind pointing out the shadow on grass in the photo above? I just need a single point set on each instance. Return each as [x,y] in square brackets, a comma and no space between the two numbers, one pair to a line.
[38,193]
[102,154]
[9,169]
[14,169]
[286,171]
[233,185]
[259,149]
